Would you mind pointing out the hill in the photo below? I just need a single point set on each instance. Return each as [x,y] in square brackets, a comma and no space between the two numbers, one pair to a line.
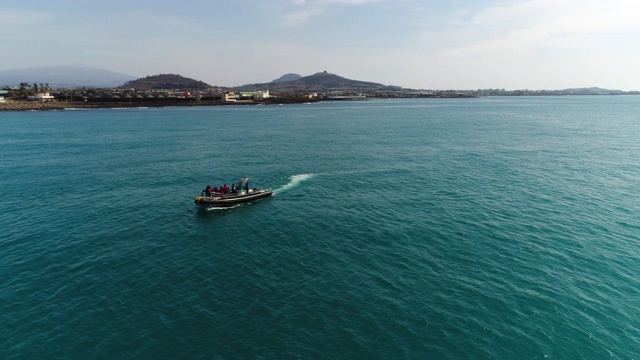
[70,76]
[286,78]
[165,82]
[590,91]
[321,82]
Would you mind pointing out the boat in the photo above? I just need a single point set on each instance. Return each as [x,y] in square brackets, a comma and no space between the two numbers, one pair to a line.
[242,195]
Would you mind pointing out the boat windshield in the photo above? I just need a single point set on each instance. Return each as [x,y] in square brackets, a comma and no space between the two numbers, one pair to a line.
[241,182]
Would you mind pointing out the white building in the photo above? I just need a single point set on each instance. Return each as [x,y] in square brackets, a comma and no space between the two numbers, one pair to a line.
[262,95]
[230,96]
[246,96]
[40,97]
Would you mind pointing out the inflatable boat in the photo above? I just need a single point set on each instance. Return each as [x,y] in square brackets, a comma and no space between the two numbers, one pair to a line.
[242,195]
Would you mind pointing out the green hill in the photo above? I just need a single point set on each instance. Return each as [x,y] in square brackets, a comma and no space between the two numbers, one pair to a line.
[165,82]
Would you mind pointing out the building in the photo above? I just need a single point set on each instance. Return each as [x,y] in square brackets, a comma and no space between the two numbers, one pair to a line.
[261,95]
[41,97]
[230,96]
[233,96]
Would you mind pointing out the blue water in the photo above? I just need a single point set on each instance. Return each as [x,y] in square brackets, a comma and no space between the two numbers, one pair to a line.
[502,228]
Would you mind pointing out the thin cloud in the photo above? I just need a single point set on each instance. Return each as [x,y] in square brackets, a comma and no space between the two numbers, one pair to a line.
[350,2]
[323,2]
[315,8]
[17,17]
[537,24]
[300,18]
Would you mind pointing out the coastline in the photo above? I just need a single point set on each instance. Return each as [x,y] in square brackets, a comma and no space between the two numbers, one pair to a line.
[23,105]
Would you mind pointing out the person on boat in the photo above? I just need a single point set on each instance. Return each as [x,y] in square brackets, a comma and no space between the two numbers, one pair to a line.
[216,190]
[246,186]
[233,189]
[225,189]
[208,190]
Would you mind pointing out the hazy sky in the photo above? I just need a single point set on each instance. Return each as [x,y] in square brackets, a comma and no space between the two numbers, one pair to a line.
[466,44]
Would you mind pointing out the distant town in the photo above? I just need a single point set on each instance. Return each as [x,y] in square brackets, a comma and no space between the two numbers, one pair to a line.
[176,90]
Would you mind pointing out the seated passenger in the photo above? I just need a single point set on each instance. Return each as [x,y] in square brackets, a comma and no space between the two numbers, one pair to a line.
[208,190]
[225,189]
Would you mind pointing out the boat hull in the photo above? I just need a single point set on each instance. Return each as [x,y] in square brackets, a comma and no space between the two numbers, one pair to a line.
[227,200]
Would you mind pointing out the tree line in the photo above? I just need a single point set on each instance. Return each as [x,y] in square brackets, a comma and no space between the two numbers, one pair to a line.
[25,89]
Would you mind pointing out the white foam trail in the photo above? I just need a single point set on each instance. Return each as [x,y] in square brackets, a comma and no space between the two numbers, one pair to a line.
[222,208]
[295,180]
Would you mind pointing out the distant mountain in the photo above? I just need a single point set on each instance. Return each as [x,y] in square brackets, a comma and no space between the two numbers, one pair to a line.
[326,80]
[286,78]
[70,76]
[590,91]
[165,81]
[321,82]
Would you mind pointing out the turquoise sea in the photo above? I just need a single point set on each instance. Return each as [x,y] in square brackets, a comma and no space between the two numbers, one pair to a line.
[489,228]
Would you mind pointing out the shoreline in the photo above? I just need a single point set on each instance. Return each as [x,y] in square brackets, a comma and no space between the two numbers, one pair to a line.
[25,105]
[20,105]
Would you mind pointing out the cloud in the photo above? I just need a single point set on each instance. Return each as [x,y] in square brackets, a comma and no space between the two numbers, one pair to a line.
[350,2]
[300,18]
[313,9]
[323,2]
[538,24]
[533,44]
[19,17]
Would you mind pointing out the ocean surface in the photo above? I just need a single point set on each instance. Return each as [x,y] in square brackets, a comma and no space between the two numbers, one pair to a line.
[489,228]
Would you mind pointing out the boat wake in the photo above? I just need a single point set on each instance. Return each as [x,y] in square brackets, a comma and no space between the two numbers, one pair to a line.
[226,208]
[294,181]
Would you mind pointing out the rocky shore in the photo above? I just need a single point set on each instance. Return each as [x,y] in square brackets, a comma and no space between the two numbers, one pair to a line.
[12,105]
[19,105]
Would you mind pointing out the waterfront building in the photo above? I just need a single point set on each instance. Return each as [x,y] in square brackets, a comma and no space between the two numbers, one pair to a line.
[45,96]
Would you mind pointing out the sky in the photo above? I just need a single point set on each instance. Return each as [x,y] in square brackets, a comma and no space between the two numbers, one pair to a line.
[428,44]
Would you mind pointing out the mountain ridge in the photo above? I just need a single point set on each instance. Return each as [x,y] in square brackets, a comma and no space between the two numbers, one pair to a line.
[81,76]
[320,82]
